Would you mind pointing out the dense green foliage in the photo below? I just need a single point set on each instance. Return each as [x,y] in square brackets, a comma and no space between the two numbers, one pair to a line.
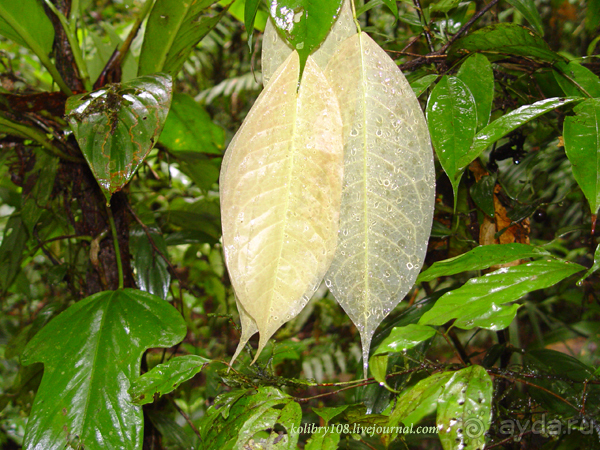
[134,102]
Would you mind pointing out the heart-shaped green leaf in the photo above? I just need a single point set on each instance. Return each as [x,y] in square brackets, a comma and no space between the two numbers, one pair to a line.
[91,353]
[117,126]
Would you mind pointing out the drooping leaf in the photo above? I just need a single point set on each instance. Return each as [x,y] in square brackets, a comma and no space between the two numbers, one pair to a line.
[452,120]
[250,10]
[482,194]
[275,50]
[236,417]
[189,127]
[594,268]
[173,30]
[323,440]
[476,72]
[387,201]
[329,412]
[165,378]
[91,353]
[481,302]
[504,39]
[530,12]
[281,185]
[238,10]
[151,270]
[304,23]
[509,122]
[12,249]
[402,338]
[464,409]
[116,126]
[576,80]
[481,258]
[422,84]
[390,4]
[582,145]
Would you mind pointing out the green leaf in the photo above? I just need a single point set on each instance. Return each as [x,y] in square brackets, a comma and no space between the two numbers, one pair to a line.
[452,120]
[482,194]
[476,72]
[14,242]
[117,126]
[576,80]
[422,84]
[304,23]
[561,365]
[238,10]
[42,177]
[165,378]
[91,353]
[594,268]
[26,23]
[402,338]
[378,365]
[592,17]
[173,435]
[233,420]
[173,30]
[481,258]
[189,127]
[390,4]
[329,412]
[444,5]
[504,39]
[151,270]
[507,123]
[480,301]
[530,12]
[323,440]
[203,171]
[464,409]
[250,10]
[582,145]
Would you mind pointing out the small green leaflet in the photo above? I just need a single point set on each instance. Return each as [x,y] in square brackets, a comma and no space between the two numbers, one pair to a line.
[117,126]
[594,268]
[166,377]
[151,270]
[422,84]
[582,145]
[481,301]
[402,338]
[476,72]
[91,353]
[577,80]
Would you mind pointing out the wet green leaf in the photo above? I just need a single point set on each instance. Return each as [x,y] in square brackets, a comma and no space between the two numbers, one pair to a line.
[91,353]
[117,126]
[464,409]
[582,145]
[234,419]
[329,412]
[250,10]
[507,123]
[165,378]
[452,120]
[576,80]
[173,30]
[504,39]
[323,440]
[378,365]
[304,23]
[422,84]
[12,248]
[26,23]
[476,72]
[189,127]
[482,194]
[151,270]
[481,301]
[402,338]
[594,268]
[561,364]
[530,12]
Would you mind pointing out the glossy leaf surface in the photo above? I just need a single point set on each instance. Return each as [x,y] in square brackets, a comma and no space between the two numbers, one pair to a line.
[452,120]
[91,353]
[233,420]
[26,23]
[275,49]
[165,378]
[116,126]
[464,409]
[481,301]
[530,11]
[173,30]
[481,258]
[509,122]
[582,145]
[189,128]
[387,201]
[577,80]
[304,23]
[402,338]
[476,72]
[151,270]
[422,84]
[505,39]
[281,183]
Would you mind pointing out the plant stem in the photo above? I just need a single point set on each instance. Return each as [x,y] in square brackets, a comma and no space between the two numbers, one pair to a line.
[116,243]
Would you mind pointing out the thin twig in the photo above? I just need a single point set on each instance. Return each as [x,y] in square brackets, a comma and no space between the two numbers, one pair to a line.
[425,26]
[188,420]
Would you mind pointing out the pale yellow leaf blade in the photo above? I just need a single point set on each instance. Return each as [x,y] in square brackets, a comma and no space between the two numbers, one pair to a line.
[275,50]
[389,185]
[280,196]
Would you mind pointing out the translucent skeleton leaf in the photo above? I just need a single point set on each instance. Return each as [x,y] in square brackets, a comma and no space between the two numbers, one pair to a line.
[388,194]
[281,182]
[275,50]
[116,126]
